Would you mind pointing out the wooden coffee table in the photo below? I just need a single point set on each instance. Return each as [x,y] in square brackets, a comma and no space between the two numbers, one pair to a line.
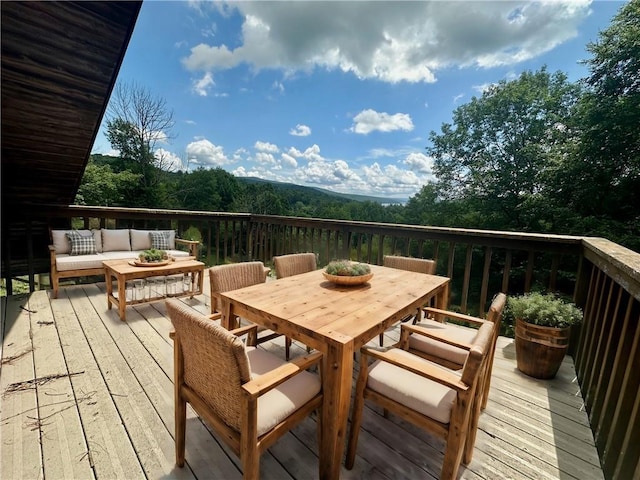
[124,271]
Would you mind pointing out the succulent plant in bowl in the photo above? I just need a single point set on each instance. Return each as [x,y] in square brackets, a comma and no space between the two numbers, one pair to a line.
[153,255]
[347,268]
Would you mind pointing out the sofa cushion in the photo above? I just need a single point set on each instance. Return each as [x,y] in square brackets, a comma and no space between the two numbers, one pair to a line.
[82,243]
[61,242]
[140,239]
[115,240]
[159,240]
[65,262]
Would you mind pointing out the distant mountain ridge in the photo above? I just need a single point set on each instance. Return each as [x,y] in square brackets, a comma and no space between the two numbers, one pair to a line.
[348,196]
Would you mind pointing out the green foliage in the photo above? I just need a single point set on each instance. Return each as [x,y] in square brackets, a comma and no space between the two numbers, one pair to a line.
[101,186]
[347,268]
[192,233]
[502,148]
[153,255]
[546,310]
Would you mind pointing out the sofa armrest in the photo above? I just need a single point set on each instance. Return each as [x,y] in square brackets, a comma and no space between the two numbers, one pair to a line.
[192,245]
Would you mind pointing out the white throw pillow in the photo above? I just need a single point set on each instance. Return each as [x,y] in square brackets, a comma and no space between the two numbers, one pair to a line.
[115,240]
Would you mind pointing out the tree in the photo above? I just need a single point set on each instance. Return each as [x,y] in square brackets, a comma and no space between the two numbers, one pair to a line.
[100,186]
[605,175]
[137,121]
[503,147]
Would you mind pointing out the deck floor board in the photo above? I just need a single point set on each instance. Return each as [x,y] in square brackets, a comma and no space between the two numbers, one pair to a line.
[114,417]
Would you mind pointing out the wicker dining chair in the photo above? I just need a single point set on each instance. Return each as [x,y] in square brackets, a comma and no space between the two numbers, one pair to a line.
[289,265]
[224,278]
[419,265]
[439,400]
[448,344]
[247,395]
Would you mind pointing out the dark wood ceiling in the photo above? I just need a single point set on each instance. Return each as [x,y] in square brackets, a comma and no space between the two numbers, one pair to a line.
[60,61]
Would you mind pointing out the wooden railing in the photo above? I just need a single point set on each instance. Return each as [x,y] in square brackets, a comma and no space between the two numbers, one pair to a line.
[602,277]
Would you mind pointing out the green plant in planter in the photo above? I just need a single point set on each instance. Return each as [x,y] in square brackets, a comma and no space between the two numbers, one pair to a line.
[347,268]
[153,255]
[543,323]
[545,310]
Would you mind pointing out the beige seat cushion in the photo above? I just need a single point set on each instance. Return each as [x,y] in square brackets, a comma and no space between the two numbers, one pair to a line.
[277,404]
[68,262]
[413,391]
[440,349]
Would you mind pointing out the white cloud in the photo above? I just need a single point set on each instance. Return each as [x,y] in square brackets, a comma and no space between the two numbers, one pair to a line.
[206,154]
[300,131]
[388,42]
[458,97]
[167,160]
[369,120]
[202,86]
[265,158]
[419,162]
[266,147]
[288,161]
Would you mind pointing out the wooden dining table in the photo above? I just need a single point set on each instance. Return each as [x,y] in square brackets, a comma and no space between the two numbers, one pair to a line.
[336,320]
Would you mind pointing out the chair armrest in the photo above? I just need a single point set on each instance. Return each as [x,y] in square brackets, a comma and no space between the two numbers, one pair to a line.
[419,367]
[262,384]
[215,316]
[246,330]
[191,244]
[454,315]
[418,330]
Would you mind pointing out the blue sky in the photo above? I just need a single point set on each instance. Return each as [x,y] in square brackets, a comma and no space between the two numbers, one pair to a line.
[338,95]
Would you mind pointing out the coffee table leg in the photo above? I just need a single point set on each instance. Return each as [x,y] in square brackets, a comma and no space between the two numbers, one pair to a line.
[109,285]
[122,298]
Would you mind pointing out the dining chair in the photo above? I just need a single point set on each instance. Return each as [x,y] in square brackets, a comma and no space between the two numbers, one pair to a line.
[289,265]
[439,400]
[448,343]
[419,265]
[249,397]
[224,278]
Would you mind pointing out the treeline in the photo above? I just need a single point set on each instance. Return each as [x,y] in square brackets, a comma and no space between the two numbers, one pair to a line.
[535,154]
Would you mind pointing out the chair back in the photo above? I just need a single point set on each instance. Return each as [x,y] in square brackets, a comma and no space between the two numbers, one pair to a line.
[224,278]
[214,361]
[294,264]
[419,265]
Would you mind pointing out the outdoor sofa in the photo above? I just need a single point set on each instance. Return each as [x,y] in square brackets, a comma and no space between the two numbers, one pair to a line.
[79,253]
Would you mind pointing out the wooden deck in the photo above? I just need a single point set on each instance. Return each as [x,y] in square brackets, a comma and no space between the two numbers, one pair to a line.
[85,395]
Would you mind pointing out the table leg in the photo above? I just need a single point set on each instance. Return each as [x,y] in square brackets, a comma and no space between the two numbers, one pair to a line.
[122,297]
[337,381]
[442,298]
[109,285]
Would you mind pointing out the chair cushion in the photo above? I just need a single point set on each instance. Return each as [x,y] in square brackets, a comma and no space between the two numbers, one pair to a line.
[115,240]
[413,391]
[277,404]
[440,349]
[81,243]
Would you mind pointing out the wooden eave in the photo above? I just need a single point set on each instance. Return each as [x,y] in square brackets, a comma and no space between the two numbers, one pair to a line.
[60,61]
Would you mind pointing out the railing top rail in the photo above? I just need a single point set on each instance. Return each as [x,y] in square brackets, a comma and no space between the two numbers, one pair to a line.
[620,263]
[475,236]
